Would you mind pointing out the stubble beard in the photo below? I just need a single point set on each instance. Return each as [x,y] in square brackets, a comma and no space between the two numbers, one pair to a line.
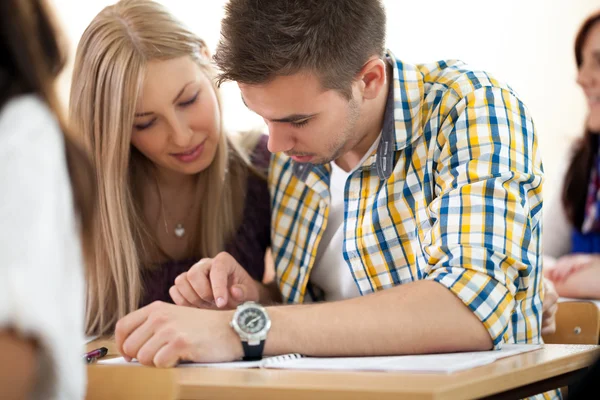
[348,138]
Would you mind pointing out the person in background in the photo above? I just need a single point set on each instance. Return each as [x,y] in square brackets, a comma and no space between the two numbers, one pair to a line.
[173,186]
[572,231]
[46,214]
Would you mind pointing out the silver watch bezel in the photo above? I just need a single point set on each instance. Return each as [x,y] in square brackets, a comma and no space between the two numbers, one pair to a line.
[251,338]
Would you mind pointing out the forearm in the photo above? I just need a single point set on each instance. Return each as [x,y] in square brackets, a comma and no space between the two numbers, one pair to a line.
[420,317]
[583,284]
[17,366]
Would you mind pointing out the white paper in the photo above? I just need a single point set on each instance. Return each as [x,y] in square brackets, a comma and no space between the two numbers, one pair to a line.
[234,364]
[428,363]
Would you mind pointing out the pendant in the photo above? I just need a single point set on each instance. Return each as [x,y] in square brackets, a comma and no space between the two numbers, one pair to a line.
[179,230]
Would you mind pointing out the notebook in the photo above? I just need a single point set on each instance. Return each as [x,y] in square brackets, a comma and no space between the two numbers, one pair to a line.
[426,363]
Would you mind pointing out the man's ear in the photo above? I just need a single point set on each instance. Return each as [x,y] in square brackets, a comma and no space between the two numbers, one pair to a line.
[372,78]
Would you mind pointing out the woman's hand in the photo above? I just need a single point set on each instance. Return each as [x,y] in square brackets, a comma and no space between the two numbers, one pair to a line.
[218,282]
[569,264]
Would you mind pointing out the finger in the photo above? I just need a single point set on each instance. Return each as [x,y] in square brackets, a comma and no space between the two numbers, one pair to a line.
[241,292]
[171,353]
[559,276]
[579,267]
[129,323]
[187,291]
[181,301]
[550,328]
[151,347]
[562,271]
[141,335]
[569,269]
[198,277]
[178,298]
[552,291]
[238,293]
[549,312]
[219,275]
[550,294]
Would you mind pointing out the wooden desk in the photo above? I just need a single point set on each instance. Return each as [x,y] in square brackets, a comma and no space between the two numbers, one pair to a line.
[515,377]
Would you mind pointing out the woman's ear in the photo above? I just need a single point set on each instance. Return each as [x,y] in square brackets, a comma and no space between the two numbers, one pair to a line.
[205,52]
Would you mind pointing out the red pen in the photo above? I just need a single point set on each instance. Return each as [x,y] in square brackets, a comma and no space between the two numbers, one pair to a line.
[95,354]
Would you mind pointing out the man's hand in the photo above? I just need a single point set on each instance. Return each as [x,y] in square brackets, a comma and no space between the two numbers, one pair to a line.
[549,307]
[162,334]
[215,282]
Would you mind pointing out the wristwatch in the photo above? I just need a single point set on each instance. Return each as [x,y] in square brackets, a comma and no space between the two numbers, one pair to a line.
[251,322]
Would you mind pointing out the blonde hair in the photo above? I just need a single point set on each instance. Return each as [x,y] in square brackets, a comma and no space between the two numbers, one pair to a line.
[108,74]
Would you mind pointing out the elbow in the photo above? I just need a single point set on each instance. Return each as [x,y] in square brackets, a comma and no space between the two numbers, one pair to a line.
[483,342]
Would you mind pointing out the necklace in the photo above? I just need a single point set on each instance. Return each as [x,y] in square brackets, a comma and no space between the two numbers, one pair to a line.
[179,230]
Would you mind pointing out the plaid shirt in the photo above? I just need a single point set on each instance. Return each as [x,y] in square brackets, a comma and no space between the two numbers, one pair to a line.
[453,194]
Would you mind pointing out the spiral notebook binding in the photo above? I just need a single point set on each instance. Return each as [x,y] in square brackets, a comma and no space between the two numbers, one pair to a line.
[282,359]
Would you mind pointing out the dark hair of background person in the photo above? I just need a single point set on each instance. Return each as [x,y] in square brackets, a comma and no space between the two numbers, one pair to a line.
[578,174]
[31,58]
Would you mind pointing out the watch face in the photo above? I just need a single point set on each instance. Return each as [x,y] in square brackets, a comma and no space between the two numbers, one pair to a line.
[252,320]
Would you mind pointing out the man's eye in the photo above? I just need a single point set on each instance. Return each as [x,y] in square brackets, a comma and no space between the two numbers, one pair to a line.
[299,124]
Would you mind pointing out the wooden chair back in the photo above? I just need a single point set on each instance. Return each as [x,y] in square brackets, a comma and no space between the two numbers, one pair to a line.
[577,322]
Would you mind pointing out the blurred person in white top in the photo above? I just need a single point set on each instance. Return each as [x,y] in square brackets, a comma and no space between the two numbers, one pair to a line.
[45,216]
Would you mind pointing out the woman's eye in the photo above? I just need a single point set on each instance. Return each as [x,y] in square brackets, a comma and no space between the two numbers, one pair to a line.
[141,127]
[190,101]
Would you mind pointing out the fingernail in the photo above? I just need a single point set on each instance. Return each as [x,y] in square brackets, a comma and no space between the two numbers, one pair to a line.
[220,302]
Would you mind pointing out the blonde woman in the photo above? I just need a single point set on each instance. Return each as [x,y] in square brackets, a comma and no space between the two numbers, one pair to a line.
[173,187]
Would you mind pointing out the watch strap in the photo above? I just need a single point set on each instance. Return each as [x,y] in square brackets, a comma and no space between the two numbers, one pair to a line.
[253,353]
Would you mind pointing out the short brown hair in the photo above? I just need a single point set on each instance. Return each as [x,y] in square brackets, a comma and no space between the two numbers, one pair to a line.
[263,39]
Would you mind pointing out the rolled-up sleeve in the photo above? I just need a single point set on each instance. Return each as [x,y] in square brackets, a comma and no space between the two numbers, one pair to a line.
[485,244]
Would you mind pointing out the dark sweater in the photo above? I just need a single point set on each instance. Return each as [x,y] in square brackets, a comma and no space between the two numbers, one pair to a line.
[248,247]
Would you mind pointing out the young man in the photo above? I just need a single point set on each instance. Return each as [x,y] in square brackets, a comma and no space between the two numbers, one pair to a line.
[406,196]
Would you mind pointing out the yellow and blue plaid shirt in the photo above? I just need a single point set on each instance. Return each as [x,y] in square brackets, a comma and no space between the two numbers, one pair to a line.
[453,193]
